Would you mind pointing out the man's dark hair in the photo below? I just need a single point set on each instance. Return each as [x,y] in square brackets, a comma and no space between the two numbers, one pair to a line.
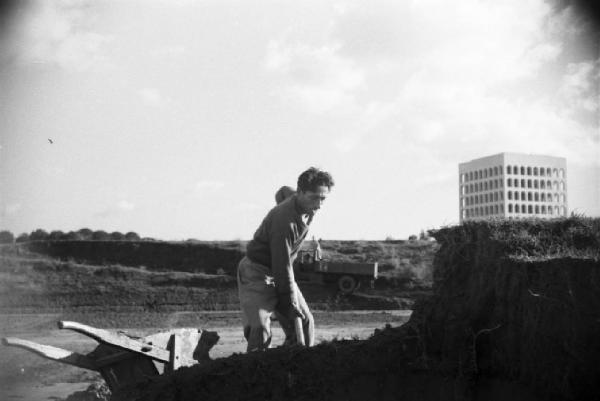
[313,178]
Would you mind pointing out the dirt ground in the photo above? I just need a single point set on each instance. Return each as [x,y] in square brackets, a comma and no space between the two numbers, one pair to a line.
[26,376]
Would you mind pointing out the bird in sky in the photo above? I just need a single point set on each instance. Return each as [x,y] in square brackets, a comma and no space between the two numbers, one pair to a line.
[50,140]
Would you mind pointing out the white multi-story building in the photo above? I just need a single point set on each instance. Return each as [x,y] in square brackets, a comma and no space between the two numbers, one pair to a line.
[513,185]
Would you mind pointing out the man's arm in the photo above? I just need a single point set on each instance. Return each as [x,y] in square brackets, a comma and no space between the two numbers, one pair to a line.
[281,243]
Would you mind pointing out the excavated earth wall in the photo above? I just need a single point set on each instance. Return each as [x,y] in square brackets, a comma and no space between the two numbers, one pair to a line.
[515,314]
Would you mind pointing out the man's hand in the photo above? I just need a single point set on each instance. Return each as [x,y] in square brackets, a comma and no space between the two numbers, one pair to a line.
[291,310]
[294,311]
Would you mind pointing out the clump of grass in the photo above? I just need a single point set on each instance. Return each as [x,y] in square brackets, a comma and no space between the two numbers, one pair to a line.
[575,236]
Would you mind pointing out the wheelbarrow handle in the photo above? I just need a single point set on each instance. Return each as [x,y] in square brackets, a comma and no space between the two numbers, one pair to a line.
[118,340]
[52,353]
[299,331]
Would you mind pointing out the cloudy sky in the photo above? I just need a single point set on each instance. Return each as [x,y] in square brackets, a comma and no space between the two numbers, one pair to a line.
[179,119]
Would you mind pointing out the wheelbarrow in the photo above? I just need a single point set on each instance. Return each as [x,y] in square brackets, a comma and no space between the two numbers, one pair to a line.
[123,359]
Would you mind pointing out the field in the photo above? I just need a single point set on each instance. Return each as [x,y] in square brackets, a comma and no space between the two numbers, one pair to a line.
[39,289]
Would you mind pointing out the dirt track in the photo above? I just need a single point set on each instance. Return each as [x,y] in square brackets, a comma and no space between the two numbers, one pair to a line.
[24,375]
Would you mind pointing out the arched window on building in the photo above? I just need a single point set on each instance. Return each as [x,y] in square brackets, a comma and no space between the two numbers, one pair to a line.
[485,186]
[543,209]
[537,209]
[509,182]
[485,173]
[530,209]
[522,170]
[561,186]
[556,211]
[509,195]
[508,170]
[495,196]
[549,197]
[529,184]
[542,171]
[555,198]
[496,170]
[470,176]
[536,184]
[555,172]
[501,208]
[523,195]
[543,197]
[501,195]
[542,184]
[516,208]
[471,188]
[536,197]
[495,209]
[516,183]
[535,171]
[548,172]
[516,195]
[523,183]
[561,173]
[550,210]
[529,196]
[563,211]
[486,198]
[555,185]
[528,170]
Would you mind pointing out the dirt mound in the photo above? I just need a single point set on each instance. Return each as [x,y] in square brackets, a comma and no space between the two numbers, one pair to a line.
[499,325]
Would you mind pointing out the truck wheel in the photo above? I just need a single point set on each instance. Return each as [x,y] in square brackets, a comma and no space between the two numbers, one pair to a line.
[347,284]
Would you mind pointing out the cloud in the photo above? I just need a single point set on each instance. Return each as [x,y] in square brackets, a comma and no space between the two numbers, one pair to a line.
[170,51]
[315,76]
[58,33]
[208,185]
[472,75]
[579,88]
[152,97]
[119,208]
[12,208]
[125,205]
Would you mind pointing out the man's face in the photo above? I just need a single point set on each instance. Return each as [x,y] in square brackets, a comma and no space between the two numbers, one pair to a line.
[311,201]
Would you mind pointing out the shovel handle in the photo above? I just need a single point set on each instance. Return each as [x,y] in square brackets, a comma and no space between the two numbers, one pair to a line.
[299,331]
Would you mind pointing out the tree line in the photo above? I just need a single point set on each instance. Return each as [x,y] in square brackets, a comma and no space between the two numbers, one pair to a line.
[85,234]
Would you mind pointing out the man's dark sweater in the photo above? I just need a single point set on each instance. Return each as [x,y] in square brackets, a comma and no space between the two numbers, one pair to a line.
[276,243]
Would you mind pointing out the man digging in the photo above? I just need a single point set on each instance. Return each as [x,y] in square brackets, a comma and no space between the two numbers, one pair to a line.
[266,283]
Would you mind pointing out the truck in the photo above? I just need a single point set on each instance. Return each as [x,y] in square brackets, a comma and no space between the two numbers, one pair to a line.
[347,276]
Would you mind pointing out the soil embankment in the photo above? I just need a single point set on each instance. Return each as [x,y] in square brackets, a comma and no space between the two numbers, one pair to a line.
[515,314]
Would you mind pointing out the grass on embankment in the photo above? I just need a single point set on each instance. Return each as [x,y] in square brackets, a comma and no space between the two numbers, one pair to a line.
[34,284]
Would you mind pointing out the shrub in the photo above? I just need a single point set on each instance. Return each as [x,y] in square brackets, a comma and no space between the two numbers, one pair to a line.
[132,236]
[117,236]
[38,235]
[100,235]
[24,237]
[6,237]
[85,233]
[56,235]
